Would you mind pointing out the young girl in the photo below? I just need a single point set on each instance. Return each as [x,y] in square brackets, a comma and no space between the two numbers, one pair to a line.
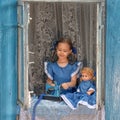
[86,92]
[62,72]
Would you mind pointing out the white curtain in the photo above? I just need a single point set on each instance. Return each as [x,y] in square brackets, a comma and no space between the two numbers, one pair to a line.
[53,20]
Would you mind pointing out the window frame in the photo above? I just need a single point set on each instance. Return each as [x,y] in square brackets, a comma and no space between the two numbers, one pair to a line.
[23,55]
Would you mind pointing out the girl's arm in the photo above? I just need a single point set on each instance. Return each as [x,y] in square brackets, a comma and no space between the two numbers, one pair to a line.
[50,82]
[72,83]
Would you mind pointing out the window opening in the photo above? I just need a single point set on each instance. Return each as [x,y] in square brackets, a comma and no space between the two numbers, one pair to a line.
[50,20]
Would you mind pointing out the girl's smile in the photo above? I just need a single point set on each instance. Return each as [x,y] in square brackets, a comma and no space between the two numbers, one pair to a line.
[63,50]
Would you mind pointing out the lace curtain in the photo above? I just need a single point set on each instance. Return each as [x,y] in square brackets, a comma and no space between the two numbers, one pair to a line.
[53,20]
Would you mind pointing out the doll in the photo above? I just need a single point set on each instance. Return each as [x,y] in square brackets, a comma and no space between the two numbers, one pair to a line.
[86,91]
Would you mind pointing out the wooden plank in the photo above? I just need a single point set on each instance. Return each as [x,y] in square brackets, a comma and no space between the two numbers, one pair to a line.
[84,1]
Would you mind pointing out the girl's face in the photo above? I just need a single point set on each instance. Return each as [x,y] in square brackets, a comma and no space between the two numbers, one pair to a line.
[86,76]
[63,50]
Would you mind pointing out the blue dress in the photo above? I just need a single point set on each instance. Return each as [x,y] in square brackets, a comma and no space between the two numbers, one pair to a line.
[62,74]
[81,96]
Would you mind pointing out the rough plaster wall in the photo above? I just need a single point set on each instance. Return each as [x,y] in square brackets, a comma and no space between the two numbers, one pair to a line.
[53,20]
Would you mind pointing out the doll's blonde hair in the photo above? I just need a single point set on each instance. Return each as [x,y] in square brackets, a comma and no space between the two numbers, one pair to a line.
[89,71]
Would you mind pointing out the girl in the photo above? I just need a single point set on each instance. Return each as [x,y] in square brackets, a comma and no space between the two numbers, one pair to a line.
[61,72]
[86,92]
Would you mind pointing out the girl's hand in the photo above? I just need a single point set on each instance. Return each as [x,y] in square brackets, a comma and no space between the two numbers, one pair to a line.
[65,86]
[52,84]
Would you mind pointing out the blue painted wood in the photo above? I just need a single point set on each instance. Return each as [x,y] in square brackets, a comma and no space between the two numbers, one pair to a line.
[112,98]
[8,59]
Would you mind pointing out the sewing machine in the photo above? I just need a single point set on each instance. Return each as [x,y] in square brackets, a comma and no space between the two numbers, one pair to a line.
[52,92]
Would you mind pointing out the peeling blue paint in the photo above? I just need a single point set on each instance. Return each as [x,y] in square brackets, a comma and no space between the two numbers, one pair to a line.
[112,106]
[8,59]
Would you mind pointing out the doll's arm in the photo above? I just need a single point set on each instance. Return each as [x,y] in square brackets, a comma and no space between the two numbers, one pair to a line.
[90,91]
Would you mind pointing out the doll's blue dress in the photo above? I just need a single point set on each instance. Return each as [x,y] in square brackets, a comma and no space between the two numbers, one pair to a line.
[81,96]
[62,74]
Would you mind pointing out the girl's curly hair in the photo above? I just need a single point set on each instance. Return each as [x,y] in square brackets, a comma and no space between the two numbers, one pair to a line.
[72,57]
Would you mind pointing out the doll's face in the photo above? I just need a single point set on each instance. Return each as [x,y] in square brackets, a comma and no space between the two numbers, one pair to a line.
[86,76]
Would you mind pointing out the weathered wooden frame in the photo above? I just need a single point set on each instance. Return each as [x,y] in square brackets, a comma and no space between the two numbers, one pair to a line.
[100,42]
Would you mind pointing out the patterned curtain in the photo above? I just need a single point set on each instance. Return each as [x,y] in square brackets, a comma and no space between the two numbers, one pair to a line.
[49,22]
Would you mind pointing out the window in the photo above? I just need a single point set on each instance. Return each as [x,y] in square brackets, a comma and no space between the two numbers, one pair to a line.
[82,20]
